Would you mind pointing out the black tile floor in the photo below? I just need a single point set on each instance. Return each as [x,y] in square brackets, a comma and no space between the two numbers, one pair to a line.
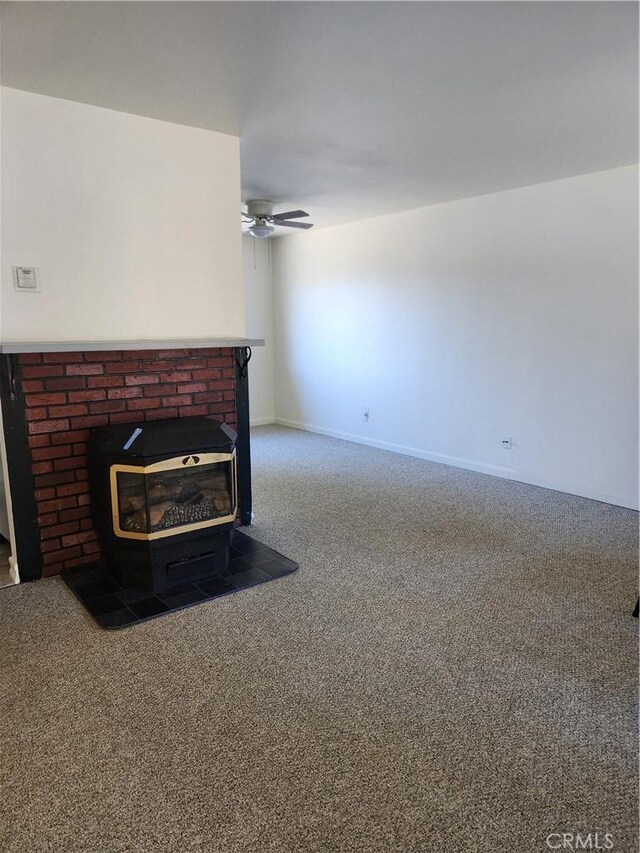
[250,563]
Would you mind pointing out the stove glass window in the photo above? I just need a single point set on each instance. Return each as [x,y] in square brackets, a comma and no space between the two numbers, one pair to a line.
[149,503]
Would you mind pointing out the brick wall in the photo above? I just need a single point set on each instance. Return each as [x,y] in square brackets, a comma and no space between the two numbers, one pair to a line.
[67,394]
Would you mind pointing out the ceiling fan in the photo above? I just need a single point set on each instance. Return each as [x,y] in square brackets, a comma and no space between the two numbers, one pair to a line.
[263,220]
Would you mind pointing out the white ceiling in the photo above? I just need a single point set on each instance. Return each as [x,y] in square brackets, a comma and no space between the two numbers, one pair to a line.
[355,109]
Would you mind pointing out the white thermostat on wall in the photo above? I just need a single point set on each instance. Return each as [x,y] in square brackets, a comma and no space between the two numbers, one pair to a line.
[26,278]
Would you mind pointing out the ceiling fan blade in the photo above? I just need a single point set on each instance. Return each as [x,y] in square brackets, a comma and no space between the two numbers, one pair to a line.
[290,214]
[293,224]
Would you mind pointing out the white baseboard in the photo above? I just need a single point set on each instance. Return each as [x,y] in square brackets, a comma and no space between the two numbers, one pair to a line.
[466,464]
[572,489]
[13,570]
[261,421]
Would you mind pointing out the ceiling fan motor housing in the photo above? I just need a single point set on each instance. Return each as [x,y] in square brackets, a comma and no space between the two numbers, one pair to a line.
[259,207]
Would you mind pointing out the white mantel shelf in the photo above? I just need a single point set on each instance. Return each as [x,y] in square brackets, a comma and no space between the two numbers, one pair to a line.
[109,346]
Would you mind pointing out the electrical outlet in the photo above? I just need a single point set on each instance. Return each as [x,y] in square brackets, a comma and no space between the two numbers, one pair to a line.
[507,443]
[365,414]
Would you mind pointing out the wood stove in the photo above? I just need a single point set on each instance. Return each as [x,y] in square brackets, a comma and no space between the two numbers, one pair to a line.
[164,498]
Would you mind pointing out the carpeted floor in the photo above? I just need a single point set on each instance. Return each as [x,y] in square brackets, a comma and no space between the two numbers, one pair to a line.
[452,669]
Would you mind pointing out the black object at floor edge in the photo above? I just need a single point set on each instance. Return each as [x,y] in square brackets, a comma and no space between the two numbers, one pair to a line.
[250,563]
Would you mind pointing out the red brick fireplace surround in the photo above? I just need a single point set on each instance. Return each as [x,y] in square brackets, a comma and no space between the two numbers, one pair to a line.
[63,395]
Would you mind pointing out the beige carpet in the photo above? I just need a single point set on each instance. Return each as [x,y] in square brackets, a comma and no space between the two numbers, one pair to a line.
[452,669]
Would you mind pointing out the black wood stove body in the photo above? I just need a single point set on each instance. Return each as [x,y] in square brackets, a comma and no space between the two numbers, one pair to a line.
[164,499]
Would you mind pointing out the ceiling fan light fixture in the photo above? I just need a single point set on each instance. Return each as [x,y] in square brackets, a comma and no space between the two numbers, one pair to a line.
[260,228]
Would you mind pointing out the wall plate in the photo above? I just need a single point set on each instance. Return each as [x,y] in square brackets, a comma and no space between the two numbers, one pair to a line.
[26,279]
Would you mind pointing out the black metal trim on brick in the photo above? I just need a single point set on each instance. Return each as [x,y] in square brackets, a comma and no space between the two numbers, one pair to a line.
[243,452]
[21,481]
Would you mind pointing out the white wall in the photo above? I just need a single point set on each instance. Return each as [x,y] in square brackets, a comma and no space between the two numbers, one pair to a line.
[514,314]
[133,222]
[259,324]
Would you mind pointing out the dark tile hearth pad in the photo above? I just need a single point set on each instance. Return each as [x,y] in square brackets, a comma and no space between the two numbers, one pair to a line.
[250,563]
